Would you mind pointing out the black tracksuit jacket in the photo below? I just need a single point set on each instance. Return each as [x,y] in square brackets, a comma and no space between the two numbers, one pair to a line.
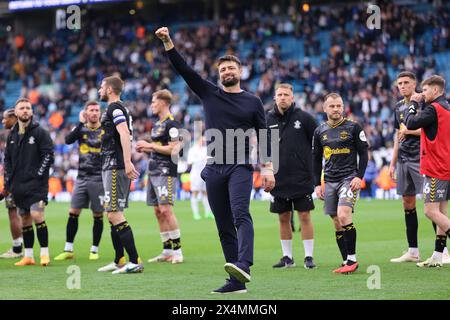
[28,158]
[294,177]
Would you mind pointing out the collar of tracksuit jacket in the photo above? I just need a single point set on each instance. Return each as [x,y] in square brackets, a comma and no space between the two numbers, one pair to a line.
[283,119]
[33,124]
[284,115]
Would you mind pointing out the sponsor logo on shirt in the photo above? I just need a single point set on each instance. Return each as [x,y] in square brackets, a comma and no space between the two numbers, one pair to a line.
[328,152]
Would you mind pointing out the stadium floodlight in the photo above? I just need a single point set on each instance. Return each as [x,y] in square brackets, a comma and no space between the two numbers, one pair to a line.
[38,4]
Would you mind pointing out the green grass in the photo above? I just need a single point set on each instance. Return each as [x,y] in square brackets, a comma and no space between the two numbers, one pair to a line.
[381,236]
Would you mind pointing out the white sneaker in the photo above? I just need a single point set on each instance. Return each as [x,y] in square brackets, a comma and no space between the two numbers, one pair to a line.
[446,258]
[130,268]
[10,254]
[177,258]
[406,257]
[430,263]
[109,267]
[161,258]
[113,266]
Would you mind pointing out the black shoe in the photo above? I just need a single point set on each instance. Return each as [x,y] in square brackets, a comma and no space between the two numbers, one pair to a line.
[285,262]
[309,263]
[231,287]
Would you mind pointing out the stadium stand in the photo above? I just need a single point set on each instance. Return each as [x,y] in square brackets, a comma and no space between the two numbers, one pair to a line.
[328,48]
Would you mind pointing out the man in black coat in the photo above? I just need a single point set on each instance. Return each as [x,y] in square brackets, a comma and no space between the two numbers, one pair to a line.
[294,177]
[28,157]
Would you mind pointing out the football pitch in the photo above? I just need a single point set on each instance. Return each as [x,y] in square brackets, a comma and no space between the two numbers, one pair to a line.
[381,236]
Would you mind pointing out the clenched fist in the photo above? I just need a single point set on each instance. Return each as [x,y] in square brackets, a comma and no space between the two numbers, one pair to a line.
[163,34]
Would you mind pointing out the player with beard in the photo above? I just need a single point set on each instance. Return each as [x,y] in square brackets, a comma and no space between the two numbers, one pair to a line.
[341,142]
[88,186]
[28,157]
[228,185]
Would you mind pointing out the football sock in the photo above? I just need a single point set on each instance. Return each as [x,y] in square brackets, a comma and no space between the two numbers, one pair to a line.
[68,247]
[286,248]
[351,259]
[308,245]
[72,227]
[97,230]
[117,244]
[29,253]
[42,234]
[17,245]
[341,244]
[28,239]
[440,243]
[175,236]
[44,251]
[350,239]
[412,227]
[167,243]
[126,237]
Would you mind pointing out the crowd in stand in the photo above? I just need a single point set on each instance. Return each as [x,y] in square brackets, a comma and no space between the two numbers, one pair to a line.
[62,70]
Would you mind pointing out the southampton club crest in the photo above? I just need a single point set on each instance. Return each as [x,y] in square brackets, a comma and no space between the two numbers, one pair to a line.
[297,124]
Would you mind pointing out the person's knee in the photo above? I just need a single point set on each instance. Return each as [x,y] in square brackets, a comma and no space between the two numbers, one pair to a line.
[242,217]
[74,212]
[164,212]
[158,213]
[27,220]
[115,217]
[37,216]
[337,224]
[240,210]
[409,202]
[305,217]
[284,218]
[344,220]
[344,215]
[430,213]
